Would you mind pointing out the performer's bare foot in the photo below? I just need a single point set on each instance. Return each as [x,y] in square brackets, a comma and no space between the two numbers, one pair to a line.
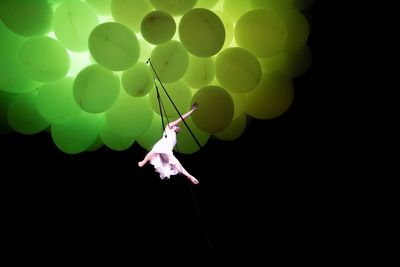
[194,180]
[140,163]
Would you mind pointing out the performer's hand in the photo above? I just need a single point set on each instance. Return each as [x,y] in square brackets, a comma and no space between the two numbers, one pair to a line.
[194,107]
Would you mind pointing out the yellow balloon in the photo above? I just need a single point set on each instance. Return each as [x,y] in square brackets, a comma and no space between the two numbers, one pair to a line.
[186,144]
[215,111]
[130,12]
[234,130]
[272,97]
[200,73]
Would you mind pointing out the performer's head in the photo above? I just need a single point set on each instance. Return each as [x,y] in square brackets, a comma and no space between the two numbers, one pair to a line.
[176,129]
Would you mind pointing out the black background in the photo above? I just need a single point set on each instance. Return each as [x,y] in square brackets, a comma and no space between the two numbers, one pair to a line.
[268,187]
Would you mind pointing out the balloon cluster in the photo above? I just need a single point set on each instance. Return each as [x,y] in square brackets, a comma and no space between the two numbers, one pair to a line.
[80,69]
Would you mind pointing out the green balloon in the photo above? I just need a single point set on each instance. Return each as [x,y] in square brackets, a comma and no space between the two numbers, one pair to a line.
[130,12]
[237,70]
[73,22]
[23,115]
[152,134]
[272,97]
[298,30]
[27,17]
[298,62]
[262,32]
[236,8]
[234,130]
[96,89]
[206,3]
[145,50]
[201,72]
[179,92]
[129,116]
[239,102]
[5,100]
[202,32]
[278,5]
[114,46]
[186,144]
[97,144]
[12,78]
[102,7]
[229,28]
[112,140]
[158,27]
[78,135]
[138,80]
[55,101]
[174,7]
[44,59]
[215,111]
[170,61]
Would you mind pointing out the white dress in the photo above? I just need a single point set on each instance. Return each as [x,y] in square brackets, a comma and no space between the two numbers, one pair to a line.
[164,161]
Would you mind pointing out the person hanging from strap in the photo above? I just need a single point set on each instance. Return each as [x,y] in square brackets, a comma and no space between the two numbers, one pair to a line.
[161,155]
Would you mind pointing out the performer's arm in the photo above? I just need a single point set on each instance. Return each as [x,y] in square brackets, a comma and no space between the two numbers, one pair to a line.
[184,116]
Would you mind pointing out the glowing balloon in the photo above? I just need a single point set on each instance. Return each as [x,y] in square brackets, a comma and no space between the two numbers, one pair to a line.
[96,145]
[229,28]
[55,101]
[297,28]
[145,50]
[138,80]
[200,73]
[239,101]
[276,62]
[278,5]
[129,116]
[130,12]
[272,97]
[262,32]
[78,135]
[27,17]
[234,130]
[44,59]
[13,78]
[298,62]
[73,22]
[112,140]
[152,134]
[170,61]
[23,115]
[180,94]
[202,32]
[102,7]
[114,46]
[5,100]
[158,27]
[206,3]
[237,70]
[215,111]
[96,89]
[174,7]
[236,8]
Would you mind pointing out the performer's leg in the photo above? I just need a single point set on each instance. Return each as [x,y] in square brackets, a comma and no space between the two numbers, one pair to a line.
[146,158]
[188,175]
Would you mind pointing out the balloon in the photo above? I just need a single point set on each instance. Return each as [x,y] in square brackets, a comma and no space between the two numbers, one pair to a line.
[158,27]
[206,3]
[114,46]
[186,144]
[130,12]
[102,7]
[23,115]
[297,28]
[236,8]
[96,89]
[237,70]
[44,59]
[113,140]
[262,32]
[26,17]
[234,130]
[174,7]
[169,61]
[73,22]
[138,80]
[55,101]
[215,111]
[200,73]
[209,35]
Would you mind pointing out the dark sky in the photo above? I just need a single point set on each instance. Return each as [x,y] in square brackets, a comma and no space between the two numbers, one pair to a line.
[266,187]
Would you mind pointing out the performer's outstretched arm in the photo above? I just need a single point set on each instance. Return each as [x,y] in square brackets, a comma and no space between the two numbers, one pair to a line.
[184,116]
